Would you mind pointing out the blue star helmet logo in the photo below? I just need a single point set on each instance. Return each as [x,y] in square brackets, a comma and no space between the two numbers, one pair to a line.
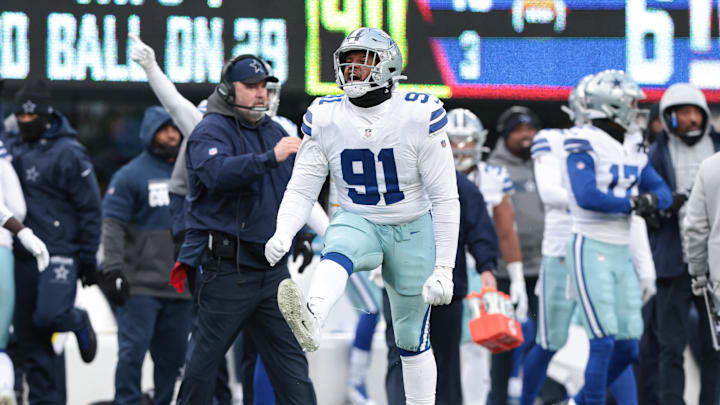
[255,64]
[617,83]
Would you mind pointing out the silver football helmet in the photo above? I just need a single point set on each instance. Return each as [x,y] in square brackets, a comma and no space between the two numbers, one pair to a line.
[382,57]
[576,108]
[613,95]
[273,91]
[467,137]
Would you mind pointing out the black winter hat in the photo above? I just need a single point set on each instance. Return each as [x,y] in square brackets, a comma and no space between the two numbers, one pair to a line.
[514,117]
[34,98]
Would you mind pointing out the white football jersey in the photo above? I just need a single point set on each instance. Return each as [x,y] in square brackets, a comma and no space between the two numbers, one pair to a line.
[547,150]
[377,167]
[390,163]
[494,183]
[617,171]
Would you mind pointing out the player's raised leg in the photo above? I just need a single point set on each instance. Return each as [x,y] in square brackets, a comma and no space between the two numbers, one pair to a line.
[350,244]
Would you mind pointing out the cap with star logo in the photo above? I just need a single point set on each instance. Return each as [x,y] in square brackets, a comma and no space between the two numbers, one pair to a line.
[33,98]
[249,70]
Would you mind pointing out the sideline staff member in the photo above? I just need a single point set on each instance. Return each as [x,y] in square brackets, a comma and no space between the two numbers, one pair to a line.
[239,162]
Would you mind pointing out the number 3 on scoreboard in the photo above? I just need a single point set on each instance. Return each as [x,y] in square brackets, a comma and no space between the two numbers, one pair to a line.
[368,176]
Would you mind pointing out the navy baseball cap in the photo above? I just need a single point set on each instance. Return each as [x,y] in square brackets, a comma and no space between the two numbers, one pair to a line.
[249,70]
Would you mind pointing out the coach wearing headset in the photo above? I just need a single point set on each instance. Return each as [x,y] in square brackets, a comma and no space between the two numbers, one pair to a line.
[239,162]
[676,156]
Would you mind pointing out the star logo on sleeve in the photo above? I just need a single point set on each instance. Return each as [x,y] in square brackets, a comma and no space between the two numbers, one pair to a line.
[32,174]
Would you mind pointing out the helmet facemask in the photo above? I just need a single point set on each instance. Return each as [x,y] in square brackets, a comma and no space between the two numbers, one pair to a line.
[382,59]
[273,96]
[467,152]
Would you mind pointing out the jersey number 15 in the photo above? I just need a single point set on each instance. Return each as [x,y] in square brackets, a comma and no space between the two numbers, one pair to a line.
[368,176]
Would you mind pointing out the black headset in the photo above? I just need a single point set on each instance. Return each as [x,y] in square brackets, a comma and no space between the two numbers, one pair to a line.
[518,109]
[225,87]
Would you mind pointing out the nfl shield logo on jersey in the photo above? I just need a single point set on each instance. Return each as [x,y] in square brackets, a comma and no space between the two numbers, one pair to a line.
[368,133]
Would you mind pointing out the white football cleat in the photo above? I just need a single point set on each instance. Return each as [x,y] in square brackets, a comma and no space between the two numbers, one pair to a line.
[294,309]
[7,380]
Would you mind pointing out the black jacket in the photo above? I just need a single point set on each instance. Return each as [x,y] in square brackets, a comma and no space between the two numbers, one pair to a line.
[666,242]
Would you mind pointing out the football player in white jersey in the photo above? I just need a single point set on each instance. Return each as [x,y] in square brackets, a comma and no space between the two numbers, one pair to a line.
[391,161]
[608,179]
[467,136]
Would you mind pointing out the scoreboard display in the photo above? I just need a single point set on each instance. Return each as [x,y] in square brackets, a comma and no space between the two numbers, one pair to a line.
[485,49]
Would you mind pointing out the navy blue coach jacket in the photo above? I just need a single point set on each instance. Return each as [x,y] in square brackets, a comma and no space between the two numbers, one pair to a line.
[236,185]
[61,191]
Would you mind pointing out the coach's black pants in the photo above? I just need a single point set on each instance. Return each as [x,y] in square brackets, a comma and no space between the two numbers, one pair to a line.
[673,300]
[445,333]
[229,302]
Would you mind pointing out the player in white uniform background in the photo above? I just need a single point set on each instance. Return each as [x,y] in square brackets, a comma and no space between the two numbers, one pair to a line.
[392,163]
[608,179]
[555,308]
[12,211]
[467,136]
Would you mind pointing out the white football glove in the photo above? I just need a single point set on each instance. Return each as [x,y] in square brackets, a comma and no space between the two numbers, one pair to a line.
[35,246]
[698,284]
[141,53]
[518,292]
[277,247]
[648,289]
[438,288]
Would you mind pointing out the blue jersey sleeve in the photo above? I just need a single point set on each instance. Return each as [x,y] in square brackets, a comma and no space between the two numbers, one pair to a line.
[306,126]
[581,171]
[539,147]
[651,182]
[438,120]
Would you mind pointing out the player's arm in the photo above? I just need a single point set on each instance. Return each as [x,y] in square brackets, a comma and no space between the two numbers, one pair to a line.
[437,171]
[548,177]
[696,228]
[651,182]
[26,237]
[308,177]
[581,172]
[183,112]
[504,216]
[642,257]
